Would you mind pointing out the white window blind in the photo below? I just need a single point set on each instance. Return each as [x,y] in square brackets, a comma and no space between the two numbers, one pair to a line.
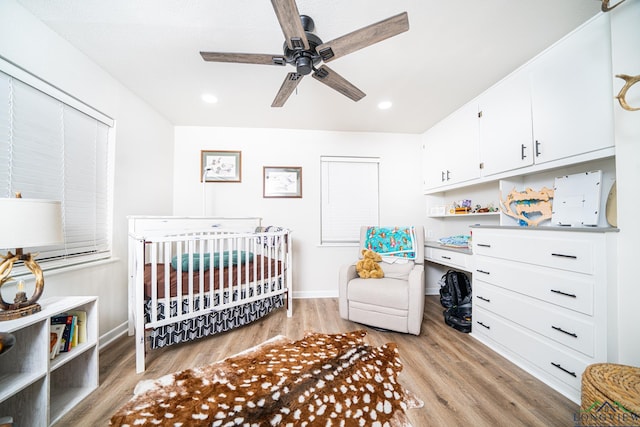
[50,149]
[349,197]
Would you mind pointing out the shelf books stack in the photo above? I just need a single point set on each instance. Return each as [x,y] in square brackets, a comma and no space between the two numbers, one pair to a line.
[67,331]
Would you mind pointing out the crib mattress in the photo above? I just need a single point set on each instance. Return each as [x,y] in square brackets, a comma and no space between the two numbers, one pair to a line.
[263,265]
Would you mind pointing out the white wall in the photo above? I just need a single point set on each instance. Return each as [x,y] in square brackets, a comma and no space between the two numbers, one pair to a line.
[143,152]
[626,44]
[315,267]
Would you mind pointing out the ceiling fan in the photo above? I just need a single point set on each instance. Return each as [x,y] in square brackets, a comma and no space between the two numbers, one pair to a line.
[305,50]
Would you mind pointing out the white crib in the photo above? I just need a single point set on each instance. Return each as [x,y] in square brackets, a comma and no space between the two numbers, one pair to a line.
[194,277]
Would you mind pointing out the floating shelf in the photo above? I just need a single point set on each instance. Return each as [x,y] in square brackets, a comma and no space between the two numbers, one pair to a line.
[465,215]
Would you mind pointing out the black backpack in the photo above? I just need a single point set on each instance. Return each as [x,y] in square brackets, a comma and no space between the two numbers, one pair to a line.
[455,296]
[455,289]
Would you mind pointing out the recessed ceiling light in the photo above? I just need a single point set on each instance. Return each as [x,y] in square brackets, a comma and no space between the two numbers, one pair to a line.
[385,105]
[209,99]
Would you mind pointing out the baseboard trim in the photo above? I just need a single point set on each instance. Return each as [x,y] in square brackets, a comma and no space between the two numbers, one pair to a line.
[315,294]
[113,335]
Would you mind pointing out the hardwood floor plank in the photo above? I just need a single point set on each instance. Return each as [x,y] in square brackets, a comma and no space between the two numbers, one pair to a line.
[461,381]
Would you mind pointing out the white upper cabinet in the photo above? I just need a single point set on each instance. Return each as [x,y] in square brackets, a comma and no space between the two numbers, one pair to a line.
[451,152]
[572,96]
[553,111]
[432,156]
[506,134]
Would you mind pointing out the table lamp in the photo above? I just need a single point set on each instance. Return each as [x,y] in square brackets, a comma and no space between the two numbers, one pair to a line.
[26,223]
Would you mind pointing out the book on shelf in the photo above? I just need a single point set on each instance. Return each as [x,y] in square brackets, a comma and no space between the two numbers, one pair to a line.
[74,332]
[56,332]
[67,320]
[81,326]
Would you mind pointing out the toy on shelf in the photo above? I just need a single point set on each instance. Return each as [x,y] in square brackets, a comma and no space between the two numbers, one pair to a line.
[460,207]
[529,207]
[486,209]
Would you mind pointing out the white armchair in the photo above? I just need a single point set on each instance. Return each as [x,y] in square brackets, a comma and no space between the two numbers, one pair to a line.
[394,302]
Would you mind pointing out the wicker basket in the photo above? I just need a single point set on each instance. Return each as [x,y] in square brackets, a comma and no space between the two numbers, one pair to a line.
[610,395]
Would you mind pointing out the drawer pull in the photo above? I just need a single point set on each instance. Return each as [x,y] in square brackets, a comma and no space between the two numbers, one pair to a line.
[559,366]
[483,298]
[555,291]
[484,245]
[483,325]
[483,272]
[564,332]
[445,257]
[565,256]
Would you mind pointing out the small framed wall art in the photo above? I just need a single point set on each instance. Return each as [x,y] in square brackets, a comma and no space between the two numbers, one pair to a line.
[282,181]
[221,166]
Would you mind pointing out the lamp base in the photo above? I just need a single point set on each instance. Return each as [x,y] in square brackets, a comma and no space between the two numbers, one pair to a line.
[19,312]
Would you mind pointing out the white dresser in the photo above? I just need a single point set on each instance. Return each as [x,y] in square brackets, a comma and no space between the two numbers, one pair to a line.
[540,299]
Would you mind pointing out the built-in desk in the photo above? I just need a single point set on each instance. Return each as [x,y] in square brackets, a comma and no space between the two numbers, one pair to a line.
[459,258]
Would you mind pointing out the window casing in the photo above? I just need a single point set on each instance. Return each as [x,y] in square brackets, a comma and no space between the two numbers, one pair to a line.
[53,146]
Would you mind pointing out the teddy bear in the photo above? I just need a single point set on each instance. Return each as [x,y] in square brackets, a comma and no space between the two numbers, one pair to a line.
[368,267]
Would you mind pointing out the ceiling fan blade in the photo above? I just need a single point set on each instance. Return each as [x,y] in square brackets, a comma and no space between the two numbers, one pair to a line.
[244,58]
[287,88]
[289,19]
[335,81]
[364,37]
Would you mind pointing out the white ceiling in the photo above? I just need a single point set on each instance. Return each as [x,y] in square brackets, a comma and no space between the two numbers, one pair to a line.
[453,51]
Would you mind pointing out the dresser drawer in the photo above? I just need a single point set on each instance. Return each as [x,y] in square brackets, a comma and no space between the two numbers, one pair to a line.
[567,251]
[562,288]
[450,258]
[538,351]
[552,322]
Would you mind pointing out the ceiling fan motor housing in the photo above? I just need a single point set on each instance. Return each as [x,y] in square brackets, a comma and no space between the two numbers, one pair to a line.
[304,60]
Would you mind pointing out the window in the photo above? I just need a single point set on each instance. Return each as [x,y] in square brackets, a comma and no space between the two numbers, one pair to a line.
[349,197]
[53,146]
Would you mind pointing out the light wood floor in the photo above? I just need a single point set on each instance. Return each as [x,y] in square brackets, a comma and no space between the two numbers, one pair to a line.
[461,381]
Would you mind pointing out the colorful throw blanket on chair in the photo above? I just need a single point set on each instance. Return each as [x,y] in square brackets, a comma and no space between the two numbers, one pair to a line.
[392,241]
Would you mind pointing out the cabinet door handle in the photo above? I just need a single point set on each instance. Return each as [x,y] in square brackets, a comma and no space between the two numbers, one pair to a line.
[571,334]
[442,176]
[483,272]
[483,325]
[483,298]
[448,177]
[559,366]
[484,245]
[555,291]
[522,148]
[537,148]
[564,256]
[445,257]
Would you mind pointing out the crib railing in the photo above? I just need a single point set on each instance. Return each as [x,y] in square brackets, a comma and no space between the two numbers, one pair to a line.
[213,270]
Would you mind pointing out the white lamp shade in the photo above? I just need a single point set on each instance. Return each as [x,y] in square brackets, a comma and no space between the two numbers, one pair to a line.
[30,222]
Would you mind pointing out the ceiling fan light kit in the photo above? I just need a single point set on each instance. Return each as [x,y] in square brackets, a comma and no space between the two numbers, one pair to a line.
[305,50]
